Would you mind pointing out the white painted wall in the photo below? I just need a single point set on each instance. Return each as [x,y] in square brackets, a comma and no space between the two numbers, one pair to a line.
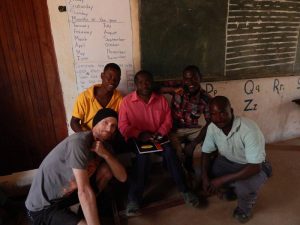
[269,102]
[277,116]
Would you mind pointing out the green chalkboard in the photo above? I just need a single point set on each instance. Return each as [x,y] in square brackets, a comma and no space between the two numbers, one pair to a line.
[227,39]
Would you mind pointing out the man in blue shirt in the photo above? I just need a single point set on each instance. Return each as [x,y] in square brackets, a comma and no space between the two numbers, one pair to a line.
[241,155]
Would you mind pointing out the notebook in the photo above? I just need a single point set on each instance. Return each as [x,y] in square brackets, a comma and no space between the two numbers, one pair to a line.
[151,146]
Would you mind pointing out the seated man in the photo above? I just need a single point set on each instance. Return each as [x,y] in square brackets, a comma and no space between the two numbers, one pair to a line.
[97,97]
[67,170]
[144,115]
[241,156]
[188,103]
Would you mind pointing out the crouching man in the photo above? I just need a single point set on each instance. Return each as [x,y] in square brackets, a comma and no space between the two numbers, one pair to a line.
[239,167]
[67,172]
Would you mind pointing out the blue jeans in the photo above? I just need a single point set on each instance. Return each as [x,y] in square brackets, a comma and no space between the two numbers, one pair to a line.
[142,168]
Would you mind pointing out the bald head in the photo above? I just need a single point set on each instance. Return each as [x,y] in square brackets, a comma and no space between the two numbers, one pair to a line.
[221,113]
[221,101]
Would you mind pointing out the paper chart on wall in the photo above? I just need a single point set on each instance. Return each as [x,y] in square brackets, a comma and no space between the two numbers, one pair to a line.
[101,33]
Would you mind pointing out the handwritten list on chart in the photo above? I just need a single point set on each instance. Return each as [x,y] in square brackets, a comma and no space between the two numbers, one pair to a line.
[101,33]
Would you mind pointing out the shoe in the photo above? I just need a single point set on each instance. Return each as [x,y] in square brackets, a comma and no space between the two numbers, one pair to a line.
[239,215]
[132,209]
[191,199]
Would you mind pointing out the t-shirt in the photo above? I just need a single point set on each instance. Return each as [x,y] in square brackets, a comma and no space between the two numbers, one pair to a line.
[86,106]
[244,144]
[55,178]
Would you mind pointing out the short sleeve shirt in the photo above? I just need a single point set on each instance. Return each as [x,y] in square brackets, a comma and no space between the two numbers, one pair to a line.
[86,106]
[186,109]
[244,144]
[55,178]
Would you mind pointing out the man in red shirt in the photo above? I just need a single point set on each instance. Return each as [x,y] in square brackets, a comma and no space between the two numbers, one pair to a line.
[145,115]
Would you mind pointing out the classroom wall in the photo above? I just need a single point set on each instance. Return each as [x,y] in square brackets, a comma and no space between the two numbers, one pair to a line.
[266,100]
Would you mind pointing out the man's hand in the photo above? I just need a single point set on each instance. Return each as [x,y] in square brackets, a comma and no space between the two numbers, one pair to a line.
[217,182]
[179,91]
[145,136]
[75,124]
[210,187]
[99,149]
[205,185]
[116,167]
[157,136]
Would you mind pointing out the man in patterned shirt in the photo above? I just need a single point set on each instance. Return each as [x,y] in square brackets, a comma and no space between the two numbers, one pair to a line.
[187,105]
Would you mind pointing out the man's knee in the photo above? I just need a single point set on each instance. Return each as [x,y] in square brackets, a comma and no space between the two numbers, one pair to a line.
[104,173]
[169,151]
[82,222]
[250,185]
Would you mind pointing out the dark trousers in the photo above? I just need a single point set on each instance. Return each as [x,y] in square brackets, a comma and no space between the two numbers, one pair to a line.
[58,213]
[247,189]
[142,168]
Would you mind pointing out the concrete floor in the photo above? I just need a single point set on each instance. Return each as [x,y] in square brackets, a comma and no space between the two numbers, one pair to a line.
[278,202]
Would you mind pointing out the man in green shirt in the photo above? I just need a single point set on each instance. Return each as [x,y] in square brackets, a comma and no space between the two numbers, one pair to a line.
[240,164]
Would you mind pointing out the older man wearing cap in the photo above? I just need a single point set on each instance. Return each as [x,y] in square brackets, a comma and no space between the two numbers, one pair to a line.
[67,169]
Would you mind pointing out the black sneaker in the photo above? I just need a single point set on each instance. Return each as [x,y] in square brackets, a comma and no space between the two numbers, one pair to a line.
[239,215]
[132,209]
[191,199]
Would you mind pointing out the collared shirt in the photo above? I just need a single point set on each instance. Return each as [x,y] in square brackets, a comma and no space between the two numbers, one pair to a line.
[245,142]
[86,106]
[186,109]
[136,116]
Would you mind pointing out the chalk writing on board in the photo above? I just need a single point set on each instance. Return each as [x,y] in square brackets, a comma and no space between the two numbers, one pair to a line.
[101,33]
[261,35]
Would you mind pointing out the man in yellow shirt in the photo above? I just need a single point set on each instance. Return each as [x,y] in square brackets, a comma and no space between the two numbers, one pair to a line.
[97,97]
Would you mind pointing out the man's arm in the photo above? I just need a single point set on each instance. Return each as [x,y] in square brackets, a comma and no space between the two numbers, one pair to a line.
[86,197]
[205,165]
[125,127]
[248,171]
[171,90]
[166,125]
[75,124]
[116,167]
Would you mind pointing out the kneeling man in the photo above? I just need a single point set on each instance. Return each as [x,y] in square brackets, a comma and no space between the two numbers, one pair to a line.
[240,164]
[67,169]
